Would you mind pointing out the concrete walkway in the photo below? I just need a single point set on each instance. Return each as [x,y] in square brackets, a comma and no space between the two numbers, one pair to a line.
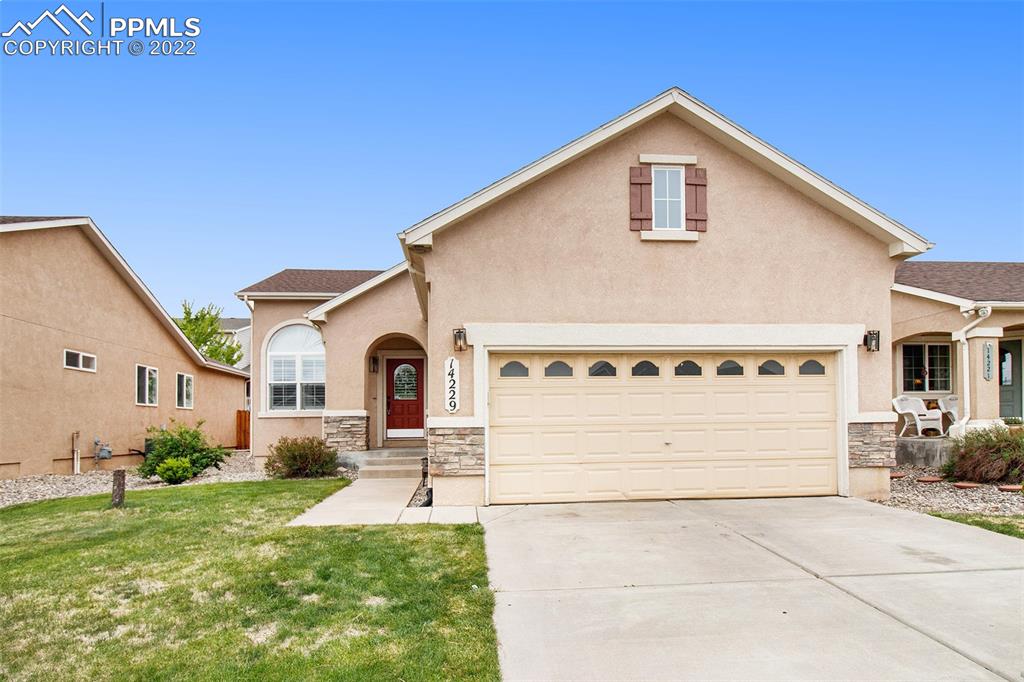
[814,588]
[379,501]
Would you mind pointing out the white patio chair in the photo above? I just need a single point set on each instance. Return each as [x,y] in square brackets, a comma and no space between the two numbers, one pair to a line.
[914,409]
[950,406]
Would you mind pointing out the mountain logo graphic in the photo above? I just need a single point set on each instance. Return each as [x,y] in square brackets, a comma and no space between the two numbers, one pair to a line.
[78,20]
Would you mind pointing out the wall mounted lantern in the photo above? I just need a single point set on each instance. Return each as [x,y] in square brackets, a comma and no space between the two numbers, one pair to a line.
[459,338]
[872,340]
[374,364]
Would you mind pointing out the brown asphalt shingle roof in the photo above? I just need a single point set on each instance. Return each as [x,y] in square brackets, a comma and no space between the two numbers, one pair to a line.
[973,281]
[12,219]
[294,280]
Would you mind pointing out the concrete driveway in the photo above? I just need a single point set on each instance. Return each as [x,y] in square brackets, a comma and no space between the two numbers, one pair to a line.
[813,588]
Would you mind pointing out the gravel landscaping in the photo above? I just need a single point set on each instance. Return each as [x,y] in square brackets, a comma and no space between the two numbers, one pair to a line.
[907,493]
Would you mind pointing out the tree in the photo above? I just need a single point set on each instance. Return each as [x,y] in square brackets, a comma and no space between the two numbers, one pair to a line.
[202,327]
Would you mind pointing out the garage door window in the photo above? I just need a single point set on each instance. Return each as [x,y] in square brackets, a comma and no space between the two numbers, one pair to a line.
[771,368]
[602,368]
[812,368]
[730,368]
[645,368]
[558,369]
[688,368]
[514,369]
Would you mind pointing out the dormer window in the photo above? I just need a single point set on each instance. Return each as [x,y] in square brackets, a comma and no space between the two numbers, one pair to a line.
[668,197]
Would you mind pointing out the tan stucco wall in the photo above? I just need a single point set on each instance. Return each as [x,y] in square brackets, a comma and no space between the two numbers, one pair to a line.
[560,251]
[267,315]
[57,291]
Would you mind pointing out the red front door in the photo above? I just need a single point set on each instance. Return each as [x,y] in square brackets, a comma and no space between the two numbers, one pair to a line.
[405,398]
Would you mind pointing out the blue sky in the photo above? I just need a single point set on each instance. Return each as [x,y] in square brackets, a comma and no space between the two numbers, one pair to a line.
[309,134]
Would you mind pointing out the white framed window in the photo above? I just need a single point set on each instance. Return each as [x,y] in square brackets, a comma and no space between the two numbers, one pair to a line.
[667,189]
[184,391]
[296,369]
[926,367]
[76,359]
[146,385]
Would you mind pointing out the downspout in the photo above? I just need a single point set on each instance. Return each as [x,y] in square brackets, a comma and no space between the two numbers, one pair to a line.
[965,359]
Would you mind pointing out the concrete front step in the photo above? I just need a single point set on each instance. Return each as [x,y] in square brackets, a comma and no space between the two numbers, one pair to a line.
[390,471]
[406,457]
[396,461]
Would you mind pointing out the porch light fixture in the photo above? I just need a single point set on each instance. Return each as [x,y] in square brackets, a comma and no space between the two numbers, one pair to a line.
[872,340]
[459,338]
[374,364]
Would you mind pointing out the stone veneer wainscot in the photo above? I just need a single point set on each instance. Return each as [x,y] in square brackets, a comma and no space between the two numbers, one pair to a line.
[347,433]
[456,452]
[872,444]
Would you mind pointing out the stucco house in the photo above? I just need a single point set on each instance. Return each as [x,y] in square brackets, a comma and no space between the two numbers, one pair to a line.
[88,354]
[664,307]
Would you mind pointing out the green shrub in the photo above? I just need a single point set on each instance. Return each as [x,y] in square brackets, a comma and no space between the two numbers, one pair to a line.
[181,441]
[175,470]
[1013,421]
[991,455]
[306,457]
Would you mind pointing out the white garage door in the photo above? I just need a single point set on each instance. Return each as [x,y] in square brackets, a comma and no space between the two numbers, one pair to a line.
[575,427]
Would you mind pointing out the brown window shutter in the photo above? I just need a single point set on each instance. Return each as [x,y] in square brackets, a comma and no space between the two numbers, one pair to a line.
[640,213]
[696,199]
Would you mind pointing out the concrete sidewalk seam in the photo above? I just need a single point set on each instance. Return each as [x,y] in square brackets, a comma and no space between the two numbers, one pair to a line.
[650,585]
[936,572]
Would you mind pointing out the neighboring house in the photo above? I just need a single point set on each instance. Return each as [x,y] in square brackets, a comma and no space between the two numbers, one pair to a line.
[86,349]
[238,330]
[958,329]
[665,307]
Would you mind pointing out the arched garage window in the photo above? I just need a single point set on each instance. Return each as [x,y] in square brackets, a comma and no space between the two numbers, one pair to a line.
[295,369]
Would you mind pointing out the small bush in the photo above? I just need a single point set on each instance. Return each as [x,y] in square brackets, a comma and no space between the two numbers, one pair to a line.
[1013,421]
[990,455]
[306,457]
[175,470]
[181,442]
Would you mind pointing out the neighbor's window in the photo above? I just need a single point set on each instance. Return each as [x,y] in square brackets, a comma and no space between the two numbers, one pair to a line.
[146,385]
[514,368]
[296,369]
[184,391]
[926,367]
[76,359]
[668,198]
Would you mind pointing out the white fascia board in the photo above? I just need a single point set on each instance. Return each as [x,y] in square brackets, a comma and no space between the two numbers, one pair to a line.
[319,313]
[45,224]
[285,295]
[720,128]
[963,303]
[1004,305]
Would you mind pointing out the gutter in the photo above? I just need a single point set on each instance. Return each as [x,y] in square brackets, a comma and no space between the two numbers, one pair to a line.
[960,337]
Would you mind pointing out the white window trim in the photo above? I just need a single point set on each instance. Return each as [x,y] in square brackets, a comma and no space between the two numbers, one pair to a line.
[156,380]
[179,399]
[81,354]
[682,203]
[928,391]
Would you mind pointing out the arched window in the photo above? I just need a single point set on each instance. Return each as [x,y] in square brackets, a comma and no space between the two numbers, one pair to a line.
[295,369]
[514,368]
[771,368]
[602,368]
[645,368]
[405,382]
[558,369]
[730,368]
[688,368]
[812,368]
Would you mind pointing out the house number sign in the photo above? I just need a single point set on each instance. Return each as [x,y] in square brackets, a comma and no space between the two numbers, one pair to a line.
[987,361]
[451,385]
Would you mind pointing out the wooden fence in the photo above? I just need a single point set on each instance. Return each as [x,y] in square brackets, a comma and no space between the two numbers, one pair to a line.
[242,429]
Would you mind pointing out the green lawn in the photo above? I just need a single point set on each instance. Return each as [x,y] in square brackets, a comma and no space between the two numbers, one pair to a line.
[1007,525]
[206,583]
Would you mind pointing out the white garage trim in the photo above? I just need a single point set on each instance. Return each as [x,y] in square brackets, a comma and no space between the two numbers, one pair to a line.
[841,339]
